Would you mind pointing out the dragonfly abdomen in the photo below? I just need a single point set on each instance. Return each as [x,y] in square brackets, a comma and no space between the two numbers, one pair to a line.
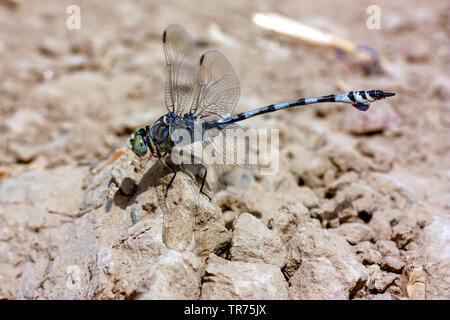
[359,99]
[356,97]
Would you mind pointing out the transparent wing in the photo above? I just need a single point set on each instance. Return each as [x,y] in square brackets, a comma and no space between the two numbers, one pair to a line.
[182,68]
[188,143]
[217,89]
[224,152]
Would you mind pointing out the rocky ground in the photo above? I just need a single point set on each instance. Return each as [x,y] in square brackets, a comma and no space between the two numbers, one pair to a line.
[358,210]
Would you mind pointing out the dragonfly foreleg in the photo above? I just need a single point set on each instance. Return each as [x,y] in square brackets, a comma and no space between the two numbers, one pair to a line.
[170,167]
[203,184]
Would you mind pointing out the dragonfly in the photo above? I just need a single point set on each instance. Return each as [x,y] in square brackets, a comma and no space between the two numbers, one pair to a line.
[201,93]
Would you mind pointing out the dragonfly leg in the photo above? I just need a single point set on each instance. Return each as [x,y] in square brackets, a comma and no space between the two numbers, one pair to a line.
[168,165]
[203,184]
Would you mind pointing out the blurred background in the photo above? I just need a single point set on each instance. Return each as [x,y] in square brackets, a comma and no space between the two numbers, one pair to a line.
[73,95]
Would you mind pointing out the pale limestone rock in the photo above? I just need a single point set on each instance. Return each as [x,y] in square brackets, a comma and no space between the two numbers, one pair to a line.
[380,223]
[393,264]
[92,254]
[119,267]
[307,197]
[35,218]
[367,253]
[347,215]
[317,279]
[252,241]
[391,256]
[175,275]
[123,174]
[284,221]
[347,159]
[355,232]
[363,197]
[380,280]
[309,167]
[242,280]
[404,232]
[435,257]
[311,241]
[387,248]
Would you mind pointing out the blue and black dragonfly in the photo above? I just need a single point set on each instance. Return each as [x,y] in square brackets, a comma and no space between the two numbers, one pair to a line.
[201,92]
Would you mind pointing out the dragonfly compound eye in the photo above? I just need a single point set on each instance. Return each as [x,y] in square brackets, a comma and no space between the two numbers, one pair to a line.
[136,142]
[139,146]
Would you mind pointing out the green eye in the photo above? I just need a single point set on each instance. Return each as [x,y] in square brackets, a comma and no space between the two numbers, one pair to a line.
[139,146]
[136,142]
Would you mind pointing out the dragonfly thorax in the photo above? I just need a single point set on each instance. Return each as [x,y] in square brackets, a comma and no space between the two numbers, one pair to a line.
[159,134]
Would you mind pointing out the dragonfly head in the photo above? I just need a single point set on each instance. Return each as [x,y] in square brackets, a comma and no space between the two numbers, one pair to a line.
[155,138]
[138,142]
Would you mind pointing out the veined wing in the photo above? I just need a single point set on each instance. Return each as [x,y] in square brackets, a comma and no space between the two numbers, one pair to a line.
[226,151]
[223,151]
[182,67]
[217,89]
[187,137]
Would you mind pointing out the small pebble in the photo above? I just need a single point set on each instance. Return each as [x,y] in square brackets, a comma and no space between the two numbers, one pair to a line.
[135,211]
[48,74]
[109,203]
